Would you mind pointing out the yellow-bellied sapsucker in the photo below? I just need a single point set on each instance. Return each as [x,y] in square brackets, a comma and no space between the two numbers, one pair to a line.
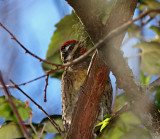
[73,78]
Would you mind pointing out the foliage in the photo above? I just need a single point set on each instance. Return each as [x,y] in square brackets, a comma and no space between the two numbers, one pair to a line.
[102,125]
[150,57]
[127,125]
[10,131]
[149,4]
[49,127]
[150,49]
[7,113]
[144,79]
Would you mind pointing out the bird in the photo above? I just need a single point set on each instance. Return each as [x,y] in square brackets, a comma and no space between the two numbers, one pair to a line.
[72,80]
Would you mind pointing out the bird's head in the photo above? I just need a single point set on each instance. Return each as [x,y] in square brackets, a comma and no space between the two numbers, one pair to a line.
[71,50]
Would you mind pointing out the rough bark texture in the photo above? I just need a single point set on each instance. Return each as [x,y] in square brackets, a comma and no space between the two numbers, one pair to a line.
[87,110]
[122,11]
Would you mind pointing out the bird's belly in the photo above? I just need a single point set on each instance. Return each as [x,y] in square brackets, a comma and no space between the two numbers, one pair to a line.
[70,86]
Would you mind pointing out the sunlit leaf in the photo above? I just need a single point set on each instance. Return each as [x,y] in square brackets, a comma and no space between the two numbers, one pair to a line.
[145,79]
[103,124]
[150,57]
[10,131]
[7,113]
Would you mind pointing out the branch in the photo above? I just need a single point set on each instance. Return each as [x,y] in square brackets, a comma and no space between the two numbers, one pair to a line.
[45,88]
[110,35]
[154,83]
[51,120]
[23,128]
[26,50]
[48,72]
[146,22]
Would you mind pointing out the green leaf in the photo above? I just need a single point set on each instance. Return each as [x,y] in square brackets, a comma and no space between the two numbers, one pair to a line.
[10,131]
[134,31]
[68,28]
[144,78]
[150,4]
[157,31]
[57,136]
[49,126]
[150,57]
[7,113]
[124,125]
[103,124]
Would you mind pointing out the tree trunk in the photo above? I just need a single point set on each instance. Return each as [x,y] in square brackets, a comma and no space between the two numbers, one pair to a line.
[91,13]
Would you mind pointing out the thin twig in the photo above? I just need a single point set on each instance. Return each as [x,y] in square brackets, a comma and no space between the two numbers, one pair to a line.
[146,22]
[154,83]
[26,50]
[30,117]
[44,126]
[13,86]
[51,120]
[45,88]
[48,72]
[34,130]
[111,34]
[7,94]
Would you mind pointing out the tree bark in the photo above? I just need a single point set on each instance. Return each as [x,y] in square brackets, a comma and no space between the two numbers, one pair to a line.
[87,110]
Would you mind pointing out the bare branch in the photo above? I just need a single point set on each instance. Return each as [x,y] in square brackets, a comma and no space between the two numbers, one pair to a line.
[7,94]
[51,120]
[26,50]
[146,22]
[48,72]
[13,86]
[154,83]
[45,88]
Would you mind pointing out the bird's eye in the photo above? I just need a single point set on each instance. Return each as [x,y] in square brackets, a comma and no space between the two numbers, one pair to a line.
[71,47]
